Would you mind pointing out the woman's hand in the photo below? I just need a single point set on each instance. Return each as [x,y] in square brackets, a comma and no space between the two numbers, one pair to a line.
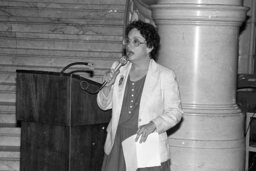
[144,131]
[110,77]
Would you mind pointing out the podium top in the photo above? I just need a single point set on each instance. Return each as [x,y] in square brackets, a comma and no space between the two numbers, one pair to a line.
[51,73]
[56,98]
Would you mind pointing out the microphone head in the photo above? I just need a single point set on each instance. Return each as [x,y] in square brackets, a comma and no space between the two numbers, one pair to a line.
[123,60]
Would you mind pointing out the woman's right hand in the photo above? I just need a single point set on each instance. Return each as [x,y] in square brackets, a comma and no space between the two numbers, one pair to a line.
[110,77]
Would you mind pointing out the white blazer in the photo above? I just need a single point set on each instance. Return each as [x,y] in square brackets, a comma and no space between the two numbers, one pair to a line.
[160,103]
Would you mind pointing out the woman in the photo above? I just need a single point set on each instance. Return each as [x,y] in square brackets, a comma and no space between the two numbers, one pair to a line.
[143,96]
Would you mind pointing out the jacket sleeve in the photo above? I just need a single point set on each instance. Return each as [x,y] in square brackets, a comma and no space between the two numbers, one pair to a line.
[172,111]
[105,102]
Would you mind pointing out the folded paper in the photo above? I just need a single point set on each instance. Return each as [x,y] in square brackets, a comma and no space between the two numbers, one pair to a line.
[141,155]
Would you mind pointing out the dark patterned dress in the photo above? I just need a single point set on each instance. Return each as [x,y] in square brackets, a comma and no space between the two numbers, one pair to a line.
[128,126]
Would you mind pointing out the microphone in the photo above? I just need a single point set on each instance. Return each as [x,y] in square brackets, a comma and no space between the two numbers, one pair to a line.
[122,61]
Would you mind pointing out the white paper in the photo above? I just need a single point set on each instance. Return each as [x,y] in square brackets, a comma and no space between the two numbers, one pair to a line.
[130,156]
[141,155]
[148,153]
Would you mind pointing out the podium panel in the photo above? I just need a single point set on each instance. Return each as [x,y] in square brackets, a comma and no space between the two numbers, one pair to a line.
[62,127]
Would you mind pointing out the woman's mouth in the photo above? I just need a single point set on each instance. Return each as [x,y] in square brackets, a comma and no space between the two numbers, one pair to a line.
[129,53]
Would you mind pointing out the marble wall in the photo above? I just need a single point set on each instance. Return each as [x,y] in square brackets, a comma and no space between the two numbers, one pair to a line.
[48,35]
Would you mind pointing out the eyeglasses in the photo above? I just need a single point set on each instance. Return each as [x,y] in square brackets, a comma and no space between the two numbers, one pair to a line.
[135,42]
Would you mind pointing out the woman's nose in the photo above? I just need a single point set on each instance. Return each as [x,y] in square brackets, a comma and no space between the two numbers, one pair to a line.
[127,48]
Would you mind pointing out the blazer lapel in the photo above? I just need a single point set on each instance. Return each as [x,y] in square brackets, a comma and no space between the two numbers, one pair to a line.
[118,96]
[150,82]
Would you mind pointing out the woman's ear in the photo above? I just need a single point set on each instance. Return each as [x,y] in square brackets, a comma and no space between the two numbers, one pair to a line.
[149,49]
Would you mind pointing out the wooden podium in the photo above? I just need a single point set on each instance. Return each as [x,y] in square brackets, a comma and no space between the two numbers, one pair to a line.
[62,128]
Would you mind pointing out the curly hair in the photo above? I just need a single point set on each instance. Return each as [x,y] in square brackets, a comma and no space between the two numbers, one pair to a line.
[150,34]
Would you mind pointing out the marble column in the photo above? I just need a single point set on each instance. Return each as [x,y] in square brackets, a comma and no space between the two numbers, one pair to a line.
[199,41]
